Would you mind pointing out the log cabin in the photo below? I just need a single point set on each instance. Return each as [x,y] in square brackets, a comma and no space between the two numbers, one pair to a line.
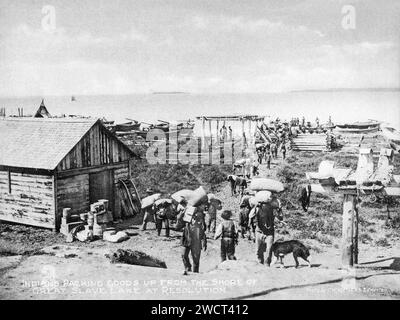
[50,164]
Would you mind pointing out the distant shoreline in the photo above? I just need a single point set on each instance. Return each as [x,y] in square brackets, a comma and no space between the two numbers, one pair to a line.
[349,90]
[169,92]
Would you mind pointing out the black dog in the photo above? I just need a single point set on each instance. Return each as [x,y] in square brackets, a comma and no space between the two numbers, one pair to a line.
[282,248]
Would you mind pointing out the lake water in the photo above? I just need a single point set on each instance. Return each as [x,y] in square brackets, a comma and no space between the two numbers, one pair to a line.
[344,106]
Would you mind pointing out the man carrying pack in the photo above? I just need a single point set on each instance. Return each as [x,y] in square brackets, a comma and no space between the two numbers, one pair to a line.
[265,228]
[193,239]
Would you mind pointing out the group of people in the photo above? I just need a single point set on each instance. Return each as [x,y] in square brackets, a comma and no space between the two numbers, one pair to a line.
[268,151]
[255,222]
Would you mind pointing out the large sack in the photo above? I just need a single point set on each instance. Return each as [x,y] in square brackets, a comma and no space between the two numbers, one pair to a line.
[160,202]
[261,184]
[240,162]
[198,197]
[252,202]
[211,196]
[115,237]
[263,196]
[149,201]
[183,194]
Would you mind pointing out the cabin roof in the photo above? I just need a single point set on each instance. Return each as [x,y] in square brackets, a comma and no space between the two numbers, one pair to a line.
[40,143]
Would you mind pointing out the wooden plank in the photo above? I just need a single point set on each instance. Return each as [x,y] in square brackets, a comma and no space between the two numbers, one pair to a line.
[48,224]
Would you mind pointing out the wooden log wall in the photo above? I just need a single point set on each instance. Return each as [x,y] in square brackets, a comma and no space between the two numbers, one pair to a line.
[73,192]
[31,200]
[97,147]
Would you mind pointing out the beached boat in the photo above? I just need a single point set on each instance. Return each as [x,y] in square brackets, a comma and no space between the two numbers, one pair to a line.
[128,126]
[359,127]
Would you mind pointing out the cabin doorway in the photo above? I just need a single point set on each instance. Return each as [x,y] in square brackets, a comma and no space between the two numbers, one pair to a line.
[101,187]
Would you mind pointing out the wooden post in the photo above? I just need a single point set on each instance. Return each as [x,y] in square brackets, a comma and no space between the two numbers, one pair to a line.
[355,236]
[210,129]
[203,140]
[218,132]
[242,130]
[250,138]
[347,230]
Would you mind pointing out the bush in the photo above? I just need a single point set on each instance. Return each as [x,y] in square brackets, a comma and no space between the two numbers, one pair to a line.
[383,242]
[365,237]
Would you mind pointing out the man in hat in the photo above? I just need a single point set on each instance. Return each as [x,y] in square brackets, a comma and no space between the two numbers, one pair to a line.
[229,236]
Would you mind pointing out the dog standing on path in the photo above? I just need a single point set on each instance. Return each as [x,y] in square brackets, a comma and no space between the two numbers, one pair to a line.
[282,248]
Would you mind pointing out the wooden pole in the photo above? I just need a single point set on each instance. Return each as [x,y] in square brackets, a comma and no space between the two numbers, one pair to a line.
[210,129]
[243,130]
[218,132]
[355,236]
[347,230]
[203,129]
[250,138]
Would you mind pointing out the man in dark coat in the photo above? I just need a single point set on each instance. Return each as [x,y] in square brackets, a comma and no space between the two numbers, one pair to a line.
[305,197]
[244,211]
[162,217]
[265,228]
[193,240]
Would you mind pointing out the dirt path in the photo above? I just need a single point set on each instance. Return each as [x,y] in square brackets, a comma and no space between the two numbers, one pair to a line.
[81,271]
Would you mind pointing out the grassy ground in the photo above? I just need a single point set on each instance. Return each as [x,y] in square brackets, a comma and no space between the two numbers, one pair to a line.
[323,220]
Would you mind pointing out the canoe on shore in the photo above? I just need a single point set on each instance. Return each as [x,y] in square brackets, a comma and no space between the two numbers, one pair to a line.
[359,125]
[352,130]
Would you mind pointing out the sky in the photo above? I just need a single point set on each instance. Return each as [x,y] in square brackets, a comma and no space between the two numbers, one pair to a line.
[197,46]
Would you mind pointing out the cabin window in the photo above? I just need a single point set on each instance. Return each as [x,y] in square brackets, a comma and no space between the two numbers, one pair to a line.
[9,181]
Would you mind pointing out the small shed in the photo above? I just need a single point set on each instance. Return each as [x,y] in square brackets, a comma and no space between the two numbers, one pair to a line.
[50,164]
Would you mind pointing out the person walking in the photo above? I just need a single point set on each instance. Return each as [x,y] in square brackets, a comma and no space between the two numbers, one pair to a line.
[213,206]
[193,239]
[244,211]
[283,149]
[161,216]
[269,156]
[265,228]
[229,237]
[305,196]
[149,215]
